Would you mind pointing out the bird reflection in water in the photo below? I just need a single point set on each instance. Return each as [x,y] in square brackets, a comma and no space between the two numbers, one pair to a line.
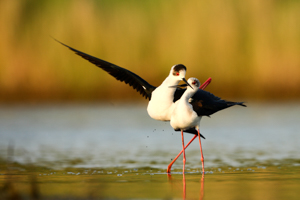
[172,182]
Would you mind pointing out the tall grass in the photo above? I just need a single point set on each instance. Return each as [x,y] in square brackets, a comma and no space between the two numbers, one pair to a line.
[251,49]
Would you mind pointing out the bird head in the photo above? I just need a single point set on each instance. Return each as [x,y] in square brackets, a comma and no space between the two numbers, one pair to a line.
[178,72]
[194,83]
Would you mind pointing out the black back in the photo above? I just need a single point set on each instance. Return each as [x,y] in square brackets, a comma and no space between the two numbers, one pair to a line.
[205,103]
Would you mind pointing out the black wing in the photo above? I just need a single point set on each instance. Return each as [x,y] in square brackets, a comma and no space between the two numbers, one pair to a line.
[205,103]
[178,93]
[192,131]
[121,74]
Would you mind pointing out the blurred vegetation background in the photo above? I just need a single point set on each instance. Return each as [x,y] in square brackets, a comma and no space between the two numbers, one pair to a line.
[251,49]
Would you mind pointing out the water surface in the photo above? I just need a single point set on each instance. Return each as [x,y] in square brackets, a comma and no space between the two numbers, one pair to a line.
[146,183]
[115,151]
[125,136]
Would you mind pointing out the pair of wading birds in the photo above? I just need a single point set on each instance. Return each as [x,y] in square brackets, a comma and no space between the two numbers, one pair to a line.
[184,108]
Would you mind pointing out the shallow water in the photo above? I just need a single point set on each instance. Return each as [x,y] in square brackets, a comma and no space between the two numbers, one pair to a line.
[116,151]
[125,136]
[146,183]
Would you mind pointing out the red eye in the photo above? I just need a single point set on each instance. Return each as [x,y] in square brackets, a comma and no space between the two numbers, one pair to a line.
[177,74]
[194,82]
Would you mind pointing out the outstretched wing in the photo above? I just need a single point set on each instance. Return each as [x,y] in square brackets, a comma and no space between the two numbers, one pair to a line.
[121,74]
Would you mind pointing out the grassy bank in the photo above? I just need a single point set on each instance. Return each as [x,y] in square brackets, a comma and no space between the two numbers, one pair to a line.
[250,48]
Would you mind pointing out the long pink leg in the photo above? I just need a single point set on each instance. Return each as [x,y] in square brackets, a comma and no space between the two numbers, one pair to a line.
[202,187]
[184,187]
[170,165]
[202,158]
[203,86]
[184,159]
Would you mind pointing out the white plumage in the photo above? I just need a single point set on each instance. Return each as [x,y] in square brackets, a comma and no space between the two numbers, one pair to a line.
[184,117]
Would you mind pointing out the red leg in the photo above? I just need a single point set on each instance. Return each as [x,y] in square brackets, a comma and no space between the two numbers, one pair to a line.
[183,152]
[205,84]
[202,158]
[184,187]
[202,187]
[170,165]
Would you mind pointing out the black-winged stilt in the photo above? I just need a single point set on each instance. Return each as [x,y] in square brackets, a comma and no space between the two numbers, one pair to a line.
[189,109]
[161,98]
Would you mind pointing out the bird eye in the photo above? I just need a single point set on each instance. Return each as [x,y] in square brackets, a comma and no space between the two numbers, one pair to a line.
[177,74]
[194,82]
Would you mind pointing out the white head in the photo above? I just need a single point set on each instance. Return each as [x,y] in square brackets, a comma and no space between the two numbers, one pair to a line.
[194,83]
[178,72]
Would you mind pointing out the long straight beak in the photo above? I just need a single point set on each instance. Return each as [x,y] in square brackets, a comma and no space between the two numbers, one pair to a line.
[178,86]
[187,83]
[182,85]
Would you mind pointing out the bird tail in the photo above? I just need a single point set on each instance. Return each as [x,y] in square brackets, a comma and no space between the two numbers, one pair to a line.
[192,131]
[231,103]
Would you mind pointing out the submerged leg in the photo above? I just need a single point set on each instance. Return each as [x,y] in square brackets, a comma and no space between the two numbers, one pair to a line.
[184,188]
[202,187]
[202,158]
[183,161]
[170,165]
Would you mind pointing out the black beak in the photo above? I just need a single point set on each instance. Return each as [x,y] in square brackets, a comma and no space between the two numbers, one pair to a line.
[178,86]
[187,83]
[182,85]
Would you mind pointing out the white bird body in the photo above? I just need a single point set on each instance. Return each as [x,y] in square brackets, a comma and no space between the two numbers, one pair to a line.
[161,105]
[183,116]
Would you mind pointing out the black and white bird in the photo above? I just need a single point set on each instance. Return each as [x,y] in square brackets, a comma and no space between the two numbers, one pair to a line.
[189,109]
[162,98]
